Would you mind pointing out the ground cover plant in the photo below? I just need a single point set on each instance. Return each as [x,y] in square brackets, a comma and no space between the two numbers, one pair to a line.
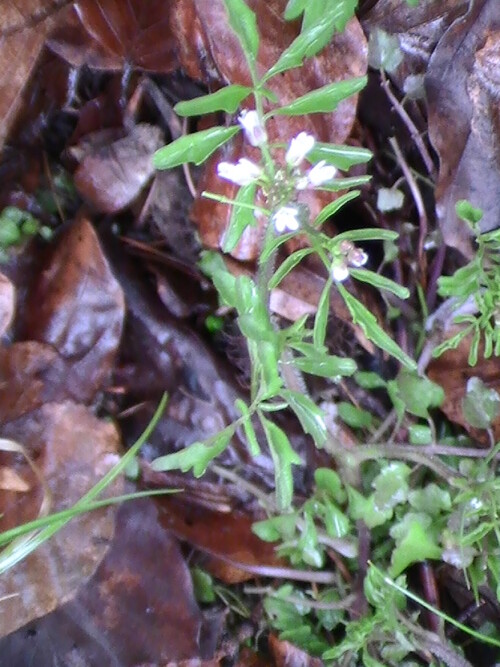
[343,474]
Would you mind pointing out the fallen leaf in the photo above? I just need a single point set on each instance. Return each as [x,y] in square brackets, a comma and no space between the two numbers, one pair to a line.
[111,176]
[463,86]
[78,307]
[72,450]
[285,654]
[119,35]
[20,50]
[10,480]
[137,609]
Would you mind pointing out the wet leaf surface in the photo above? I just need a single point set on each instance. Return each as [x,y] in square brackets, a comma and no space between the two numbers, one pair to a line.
[66,442]
[138,608]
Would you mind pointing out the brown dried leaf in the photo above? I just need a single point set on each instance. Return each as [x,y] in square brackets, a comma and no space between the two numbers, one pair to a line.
[19,52]
[111,176]
[463,86]
[10,480]
[75,450]
[78,307]
[120,34]
[285,654]
[137,609]
[223,536]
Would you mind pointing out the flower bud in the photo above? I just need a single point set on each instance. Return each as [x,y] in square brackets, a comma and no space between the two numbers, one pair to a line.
[254,131]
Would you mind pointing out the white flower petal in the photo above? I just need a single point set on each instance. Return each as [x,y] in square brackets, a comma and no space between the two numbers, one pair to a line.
[286,219]
[242,173]
[254,131]
[357,257]
[321,173]
[299,147]
[340,272]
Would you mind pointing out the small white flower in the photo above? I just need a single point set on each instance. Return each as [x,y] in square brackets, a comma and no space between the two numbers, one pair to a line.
[299,147]
[242,173]
[339,272]
[321,173]
[254,131]
[286,219]
[357,257]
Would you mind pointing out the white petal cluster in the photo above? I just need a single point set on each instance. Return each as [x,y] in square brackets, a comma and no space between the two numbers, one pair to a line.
[286,219]
[350,256]
[242,173]
[321,173]
[339,271]
[299,147]
[254,131]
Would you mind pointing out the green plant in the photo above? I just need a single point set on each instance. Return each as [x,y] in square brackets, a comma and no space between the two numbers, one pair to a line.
[16,227]
[280,356]
[477,282]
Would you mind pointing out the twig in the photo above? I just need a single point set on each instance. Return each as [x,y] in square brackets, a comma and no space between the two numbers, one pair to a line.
[417,198]
[412,128]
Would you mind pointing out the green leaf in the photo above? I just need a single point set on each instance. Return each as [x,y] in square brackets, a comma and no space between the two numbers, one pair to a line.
[353,416]
[310,416]
[415,547]
[252,443]
[321,319]
[244,23]
[465,211]
[323,100]
[306,44]
[196,147]
[334,206]
[283,458]
[416,393]
[384,51]
[213,266]
[226,99]
[203,585]
[294,9]
[276,528]
[241,217]
[342,157]
[480,404]
[336,522]
[328,366]
[368,234]
[197,456]
[380,282]
[369,380]
[288,265]
[368,323]
[329,481]
[431,499]
[419,434]
[365,509]
[391,485]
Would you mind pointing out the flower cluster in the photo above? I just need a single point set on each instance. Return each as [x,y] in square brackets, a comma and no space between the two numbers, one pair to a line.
[244,172]
[348,255]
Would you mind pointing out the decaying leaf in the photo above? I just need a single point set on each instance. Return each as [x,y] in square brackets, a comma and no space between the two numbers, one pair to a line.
[463,87]
[137,609]
[7,303]
[111,176]
[73,450]
[77,306]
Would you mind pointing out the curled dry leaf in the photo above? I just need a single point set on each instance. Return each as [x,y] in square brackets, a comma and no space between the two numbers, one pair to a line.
[112,175]
[210,50]
[73,450]
[78,307]
[463,87]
